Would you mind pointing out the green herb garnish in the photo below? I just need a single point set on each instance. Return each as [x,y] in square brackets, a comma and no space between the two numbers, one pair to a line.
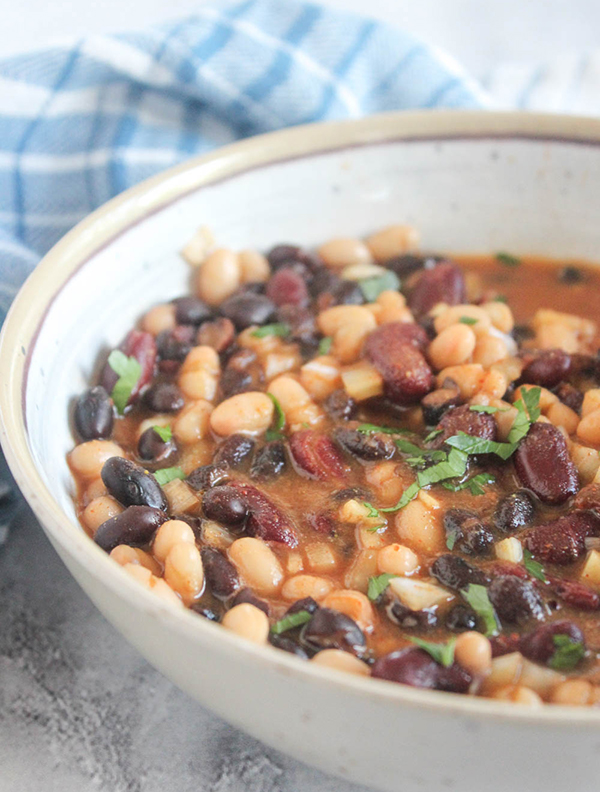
[290,621]
[567,654]
[485,408]
[500,298]
[278,329]
[508,260]
[129,370]
[373,512]
[164,475]
[409,494]
[377,585]
[432,435]
[451,538]
[372,287]
[478,599]
[375,528]
[441,653]
[368,428]
[276,431]
[478,445]
[325,345]
[164,432]
[468,320]
[528,411]
[533,567]
[474,484]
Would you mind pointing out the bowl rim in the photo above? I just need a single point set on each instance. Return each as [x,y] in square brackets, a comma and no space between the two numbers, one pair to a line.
[26,315]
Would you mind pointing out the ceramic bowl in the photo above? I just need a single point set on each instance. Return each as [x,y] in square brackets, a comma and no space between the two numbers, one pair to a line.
[471,182]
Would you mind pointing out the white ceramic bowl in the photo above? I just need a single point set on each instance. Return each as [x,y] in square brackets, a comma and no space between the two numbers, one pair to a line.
[470,182]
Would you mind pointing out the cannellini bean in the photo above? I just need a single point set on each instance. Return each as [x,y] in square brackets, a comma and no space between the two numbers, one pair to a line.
[573,693]
[489,350]
[254,267]
[421,528]
[588,429]
[393,308]
[493,385]
[511,367]
[248,413]
[450,316]
[321,377]
[453,346]
[159,318]
[184,572]
[97,488]
[359,272]
[295,402]
[344,251]
[99,510]
[171,533]
[393,241]
[500,314]
[198,377]
[333,319]
[281,361]
[397,559]
[248,622]
[561,415]
[124,554]
[587,461]
[469,377]
[354,604]
[202,358]
[518,694]
[389,481]
[154,584]
[301,586]
[348,341]
[192,422]
[341,661]
[219,276]
[198,247]
[473,652]
[257,564]
[591,402]
[87,459]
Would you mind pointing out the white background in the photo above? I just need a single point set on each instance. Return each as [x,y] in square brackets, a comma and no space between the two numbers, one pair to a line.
[480,33]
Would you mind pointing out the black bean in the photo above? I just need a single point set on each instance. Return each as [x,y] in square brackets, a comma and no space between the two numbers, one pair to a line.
[234,381]
[522,333]
[221,575]
[94,415]
[340,406]
[461,618]
[468,532]
[246,595]
[408,263]
[351,492]
[225,505]
[269,461]
[302,324]
[417,668]
[131,485]
[515,600]
[234,451]
[287,644]
[539,645]
[218,334]
[347,293]
[330,629]
[207,476]
[305,604]
[164,397]
[207,613]
[514,511]
[455,573]
[324,281]
[248,309]
[408,619]
[291,254]
[364,446]
[152,448]
[191,311]
[570,274]
[175,344]
[135,526]
[436,403]
[569,395]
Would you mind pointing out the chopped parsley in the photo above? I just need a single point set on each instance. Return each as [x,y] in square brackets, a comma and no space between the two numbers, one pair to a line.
[478,445]
[432,435]
[377,585]
[451,538]
[164,432]
[500,298]
[373,512]
[276,431]
[129,371]
[409,494]
[372,287]
[369,428]
[477,597]
[325,345]
[508,260]
[441,653]
[165,475]
[533,567]
[468,320]
[475,484]
[567,654]
[290,621]
[485,408]
[280,329]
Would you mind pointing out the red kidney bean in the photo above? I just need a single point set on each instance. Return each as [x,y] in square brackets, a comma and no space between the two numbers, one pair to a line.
[218,334]
[234,451]
[221,575]
[94,416]
[287,644]
[287,287]
[463,419]
[207,476]
[416,668]
[131,485]
[444,283]
[247,309]
[514,511]
[340,406]
[142,347]
[316,455]
[191,311]
[265,519]
[225,505]
[454,572]
[330,629]
[498,568]
[153,449]
[322,523]
[395,351]
[461,618]
[247,595]
[575,594]
[544,466]
[436,403]
[562,541]
[364,446]
[164,397]
[135,526]
[505,643]
[546,367]
[569,395]
[539,645]
[269,461]
[515,600]
[176,343]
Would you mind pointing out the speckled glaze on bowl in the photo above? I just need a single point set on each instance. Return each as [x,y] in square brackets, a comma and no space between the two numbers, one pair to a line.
[470,182]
